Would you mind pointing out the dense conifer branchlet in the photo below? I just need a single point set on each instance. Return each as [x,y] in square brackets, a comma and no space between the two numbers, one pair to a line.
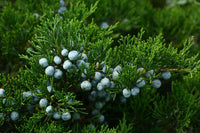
[63,85]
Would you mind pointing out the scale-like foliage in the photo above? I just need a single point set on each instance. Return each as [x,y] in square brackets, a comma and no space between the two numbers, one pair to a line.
[133,84]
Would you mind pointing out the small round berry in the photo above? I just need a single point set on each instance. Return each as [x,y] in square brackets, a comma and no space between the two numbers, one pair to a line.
[92,96]
[62,9]
[35,99]
[73,69]
[112,85]
[2,92]
[115,75]
[37,15]
[101,65]
[86,85]
[111,70]
[81,48]
[43,62]
[105,69]
[87,65]
[43,103]
[83,75]
[79,63]
[85,71]
[50,114]
[64,52]
[67,64]
[4,101]
[95,112]
[101,118]
[29,107]
[105,82]
[122,99]
[94,82]
[73,55]
[1,114]
[99,105]
[49,71]
[56,116]
[97,76]
[69,100]
[38,91]
[121,86]
[97,65]
[166,75]
[125,20]
[93,93]
[126,93]
[57,60]
[140,82]
[7,119]
[118,68]
[104,25]
[91,126]
[49,109]
[66,116]
[76,116]
[27,94]
[135,91]
[100,87]
[150,73]
[101,93]
[58,74]
[156,83]
[84,56]
[108,96]
[62,3]
[14,116]
[140,70]
[50,89]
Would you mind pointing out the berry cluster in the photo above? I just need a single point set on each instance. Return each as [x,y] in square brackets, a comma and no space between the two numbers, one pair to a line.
[96,87]
[14,115]
[104,25]
[37,15]
[62,7]
[150,75]
[60,11]
[72,62]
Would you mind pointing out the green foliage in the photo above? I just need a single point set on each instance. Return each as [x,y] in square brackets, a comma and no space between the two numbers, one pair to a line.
[121,128]
[153,54]
[180,106]
[165,46]
[113,11]
[15,31]
[16,27]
